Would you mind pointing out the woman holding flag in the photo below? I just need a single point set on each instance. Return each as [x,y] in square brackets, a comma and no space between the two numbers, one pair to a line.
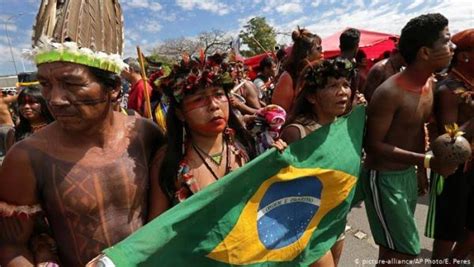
[324,95]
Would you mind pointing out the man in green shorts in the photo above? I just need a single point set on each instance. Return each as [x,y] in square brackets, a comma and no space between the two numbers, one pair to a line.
[395,137]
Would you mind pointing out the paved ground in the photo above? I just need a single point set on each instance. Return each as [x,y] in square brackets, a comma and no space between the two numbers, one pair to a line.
[356,250]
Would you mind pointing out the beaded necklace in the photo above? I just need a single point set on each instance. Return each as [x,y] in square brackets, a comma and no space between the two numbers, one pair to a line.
[215,158]
[38,126]
[227,164]
[186,183]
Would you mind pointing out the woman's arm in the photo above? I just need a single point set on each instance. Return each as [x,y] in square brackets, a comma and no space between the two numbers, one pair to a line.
[283,95]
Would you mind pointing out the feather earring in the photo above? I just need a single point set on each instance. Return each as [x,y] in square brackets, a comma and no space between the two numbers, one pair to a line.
[229,134]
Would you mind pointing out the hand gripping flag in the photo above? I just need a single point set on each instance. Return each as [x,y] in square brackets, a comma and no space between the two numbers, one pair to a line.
[285,209]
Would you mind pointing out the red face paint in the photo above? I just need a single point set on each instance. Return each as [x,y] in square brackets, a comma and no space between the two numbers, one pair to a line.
[201,100]
[214,126]
[206,111]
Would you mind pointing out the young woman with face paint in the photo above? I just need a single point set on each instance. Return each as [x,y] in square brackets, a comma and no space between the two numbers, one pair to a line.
[206,141]
[34,113]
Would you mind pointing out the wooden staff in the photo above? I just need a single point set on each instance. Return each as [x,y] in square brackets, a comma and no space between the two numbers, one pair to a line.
[263,48]
[145,84]
[237,87]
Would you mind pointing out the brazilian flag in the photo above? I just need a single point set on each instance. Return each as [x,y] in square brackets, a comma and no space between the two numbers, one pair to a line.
[284,209]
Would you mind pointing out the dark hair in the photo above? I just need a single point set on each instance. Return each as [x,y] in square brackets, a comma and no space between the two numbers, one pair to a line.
[23,129]
[314,78]
[349,39]
[174,154]
[360,56]
[217,58]
[303,43]
[266,62]
[281,53]
[107,79]
[421,31]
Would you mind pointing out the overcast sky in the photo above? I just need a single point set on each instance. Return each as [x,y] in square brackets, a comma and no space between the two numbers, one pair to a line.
[148,22]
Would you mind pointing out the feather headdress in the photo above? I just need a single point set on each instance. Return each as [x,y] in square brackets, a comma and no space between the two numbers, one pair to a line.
[193,74]
[79,31]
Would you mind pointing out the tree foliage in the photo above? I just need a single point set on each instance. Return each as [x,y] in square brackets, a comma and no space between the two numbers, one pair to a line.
[172,49]
[210,42]
[214,41]
[258,36]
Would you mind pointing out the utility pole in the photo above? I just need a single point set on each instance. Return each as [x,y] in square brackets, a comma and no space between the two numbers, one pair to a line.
[8,40]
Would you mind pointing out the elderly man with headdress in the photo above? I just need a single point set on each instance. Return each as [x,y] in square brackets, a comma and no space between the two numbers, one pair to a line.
[87,172]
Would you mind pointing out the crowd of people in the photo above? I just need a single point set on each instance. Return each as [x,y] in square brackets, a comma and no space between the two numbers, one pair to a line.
[81,171]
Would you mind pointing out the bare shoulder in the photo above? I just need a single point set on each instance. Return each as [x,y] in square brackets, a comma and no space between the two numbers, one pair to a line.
[285,77]
[283,93]
[250,88]
[290,134]
[151,135]
[377,72]
[378,67]
[43,139]
[285,81]
[250,84]
[17,176]
[445,95]
[148,128]
[385,101]
[145,123]
[388,91]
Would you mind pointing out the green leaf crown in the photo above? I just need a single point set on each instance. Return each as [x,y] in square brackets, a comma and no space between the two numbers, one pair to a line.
[47,51]
[317,76]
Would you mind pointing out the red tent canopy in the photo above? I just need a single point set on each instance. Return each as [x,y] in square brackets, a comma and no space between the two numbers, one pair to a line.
[373,44]
[255,60]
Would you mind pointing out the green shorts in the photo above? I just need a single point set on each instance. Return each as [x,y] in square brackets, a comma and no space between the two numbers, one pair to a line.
[390,204]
